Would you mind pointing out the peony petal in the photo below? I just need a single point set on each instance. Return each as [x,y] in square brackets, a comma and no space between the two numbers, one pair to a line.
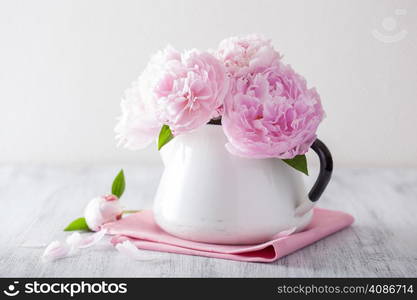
[72,244]
[92,239]
[129,249]
[74,240]
[55,250]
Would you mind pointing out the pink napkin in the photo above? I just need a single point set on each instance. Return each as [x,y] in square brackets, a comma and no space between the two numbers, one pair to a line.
[141,229]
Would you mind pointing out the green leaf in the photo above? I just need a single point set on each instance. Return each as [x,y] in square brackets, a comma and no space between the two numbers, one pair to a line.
[77,224]
[119,184]
[165,135]
[299,163]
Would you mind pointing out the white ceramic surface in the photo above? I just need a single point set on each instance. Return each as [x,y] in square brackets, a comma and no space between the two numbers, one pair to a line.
[208,195]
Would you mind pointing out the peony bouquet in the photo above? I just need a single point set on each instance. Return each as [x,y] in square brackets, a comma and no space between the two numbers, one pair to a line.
[264,106]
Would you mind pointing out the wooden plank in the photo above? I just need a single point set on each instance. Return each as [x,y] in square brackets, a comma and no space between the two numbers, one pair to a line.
[38,201]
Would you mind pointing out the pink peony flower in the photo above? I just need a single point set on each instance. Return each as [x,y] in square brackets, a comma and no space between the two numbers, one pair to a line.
[247,54]
[138,126]
[187,88]
[102,210]
[271,113]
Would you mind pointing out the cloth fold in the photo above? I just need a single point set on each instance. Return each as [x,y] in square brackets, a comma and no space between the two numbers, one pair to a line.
[141,229]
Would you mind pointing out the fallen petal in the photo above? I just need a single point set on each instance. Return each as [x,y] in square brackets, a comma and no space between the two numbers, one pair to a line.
[129,249]
[74,240]
[92,239]
[55,250]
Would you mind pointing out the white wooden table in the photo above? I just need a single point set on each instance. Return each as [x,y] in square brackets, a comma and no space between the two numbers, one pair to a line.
[37,202]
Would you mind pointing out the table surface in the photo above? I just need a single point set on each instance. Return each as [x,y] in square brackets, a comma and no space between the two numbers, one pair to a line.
[37,202]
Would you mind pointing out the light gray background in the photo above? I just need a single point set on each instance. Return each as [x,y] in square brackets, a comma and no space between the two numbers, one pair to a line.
[64,66]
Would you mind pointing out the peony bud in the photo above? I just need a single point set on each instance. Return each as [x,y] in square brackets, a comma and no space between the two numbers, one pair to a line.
[102,210]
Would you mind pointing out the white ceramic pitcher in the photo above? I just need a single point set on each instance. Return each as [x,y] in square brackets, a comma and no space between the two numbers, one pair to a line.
[207,194]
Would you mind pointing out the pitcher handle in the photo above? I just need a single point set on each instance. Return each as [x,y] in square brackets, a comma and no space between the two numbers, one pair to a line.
[326,169]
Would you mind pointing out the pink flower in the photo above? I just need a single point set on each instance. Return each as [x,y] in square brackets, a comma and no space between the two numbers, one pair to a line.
[137,126]
[271,113]
[102,210]
[247,54]
[187,88]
